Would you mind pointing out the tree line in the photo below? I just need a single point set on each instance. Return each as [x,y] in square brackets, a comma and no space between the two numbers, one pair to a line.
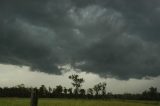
[97,92]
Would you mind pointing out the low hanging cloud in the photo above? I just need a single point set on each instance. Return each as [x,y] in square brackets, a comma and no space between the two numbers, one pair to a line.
[119,38]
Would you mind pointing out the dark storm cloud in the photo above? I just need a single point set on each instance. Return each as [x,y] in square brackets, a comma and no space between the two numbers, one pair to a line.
[108,37]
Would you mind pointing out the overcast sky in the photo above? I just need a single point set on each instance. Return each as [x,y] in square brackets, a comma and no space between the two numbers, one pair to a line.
[43,41]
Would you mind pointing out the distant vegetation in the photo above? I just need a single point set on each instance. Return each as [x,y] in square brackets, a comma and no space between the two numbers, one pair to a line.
[97,92]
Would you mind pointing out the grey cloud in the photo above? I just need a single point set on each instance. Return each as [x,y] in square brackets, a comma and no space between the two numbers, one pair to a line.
[114,37]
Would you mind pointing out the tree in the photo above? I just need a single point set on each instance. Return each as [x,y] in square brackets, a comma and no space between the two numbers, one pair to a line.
[104,88]
[153,90]
[49,89]
[58,90]
[42,91]
[152,94]
[20,86]
[65,90]
[82,92]
[77,82]
[100,87]
[97,88]
[1,90]
[90,91]
[70,91]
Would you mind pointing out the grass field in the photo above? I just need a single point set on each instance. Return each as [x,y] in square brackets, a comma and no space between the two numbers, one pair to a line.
[72,102]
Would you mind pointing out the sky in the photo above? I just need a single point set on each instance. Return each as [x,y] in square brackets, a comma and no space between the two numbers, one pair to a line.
[44,41]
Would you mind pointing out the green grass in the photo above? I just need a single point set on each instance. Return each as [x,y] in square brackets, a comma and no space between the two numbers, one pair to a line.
[72,102]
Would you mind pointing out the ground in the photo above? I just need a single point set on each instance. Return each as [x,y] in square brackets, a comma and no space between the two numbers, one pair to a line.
[72,102]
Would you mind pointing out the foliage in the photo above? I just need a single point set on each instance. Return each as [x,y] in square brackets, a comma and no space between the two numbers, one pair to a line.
[77,82]
[97,92]
[100,87]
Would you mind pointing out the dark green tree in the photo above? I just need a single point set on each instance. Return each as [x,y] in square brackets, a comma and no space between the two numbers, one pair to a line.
[82,92]
[103,88]
[65,90]
[90,91]
[97,88]
[70,91]
[58,90]
[42,91]
[77,82]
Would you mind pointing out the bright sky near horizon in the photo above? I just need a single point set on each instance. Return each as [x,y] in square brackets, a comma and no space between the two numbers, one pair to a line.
[13,75]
